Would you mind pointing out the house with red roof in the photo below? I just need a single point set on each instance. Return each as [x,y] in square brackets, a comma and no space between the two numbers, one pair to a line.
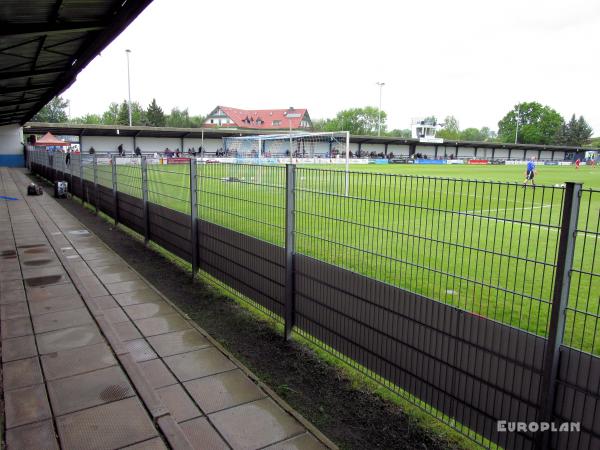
[258,119]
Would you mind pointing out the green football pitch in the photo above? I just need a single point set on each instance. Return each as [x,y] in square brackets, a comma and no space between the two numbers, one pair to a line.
[468,236]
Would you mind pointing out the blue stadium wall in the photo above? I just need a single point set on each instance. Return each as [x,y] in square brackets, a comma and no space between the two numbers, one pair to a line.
[11,146]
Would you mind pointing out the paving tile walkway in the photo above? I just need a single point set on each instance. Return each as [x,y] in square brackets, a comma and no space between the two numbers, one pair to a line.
[93,356]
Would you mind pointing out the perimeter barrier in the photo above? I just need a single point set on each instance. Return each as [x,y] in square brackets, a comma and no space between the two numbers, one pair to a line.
[478,301]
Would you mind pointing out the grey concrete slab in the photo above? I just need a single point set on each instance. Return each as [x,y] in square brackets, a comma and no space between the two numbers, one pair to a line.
[223,390]
[26,405]
[21,373]
[199,363]
[178,342]
[68,338]
[255,425]
[38,436]
[83,391]
[202,435]
[76,361]
[161,324]
[106,427]
[16,327]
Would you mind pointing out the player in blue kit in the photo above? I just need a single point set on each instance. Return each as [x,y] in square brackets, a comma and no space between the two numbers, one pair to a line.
[530,172]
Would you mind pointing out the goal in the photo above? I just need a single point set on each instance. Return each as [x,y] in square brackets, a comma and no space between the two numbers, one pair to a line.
[292,148]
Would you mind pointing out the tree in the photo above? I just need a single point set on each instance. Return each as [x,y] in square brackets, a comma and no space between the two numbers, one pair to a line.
[197,121]
[88,119]
[123,115]
[594,142]
[488,134]
[450,129]
[538,124]
[575,133]
[53,112]
[360,121]
[584,132]
[155,115]
[138,114]
[405,133]
[473,135]
[111,115]
[319,124]
[179,118]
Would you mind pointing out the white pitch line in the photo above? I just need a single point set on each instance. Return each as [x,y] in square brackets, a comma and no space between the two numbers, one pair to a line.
[462,194]
[590,235]
[508,209]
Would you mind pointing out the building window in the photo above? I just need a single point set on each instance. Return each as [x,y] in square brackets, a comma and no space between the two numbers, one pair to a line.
[276,123]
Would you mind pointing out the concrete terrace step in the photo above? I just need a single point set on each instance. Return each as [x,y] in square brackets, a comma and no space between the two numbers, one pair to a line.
[94,357]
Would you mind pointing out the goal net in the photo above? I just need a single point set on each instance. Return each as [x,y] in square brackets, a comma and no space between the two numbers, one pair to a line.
[293,146]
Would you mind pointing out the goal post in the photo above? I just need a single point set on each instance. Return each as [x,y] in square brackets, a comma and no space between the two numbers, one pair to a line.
[290,148]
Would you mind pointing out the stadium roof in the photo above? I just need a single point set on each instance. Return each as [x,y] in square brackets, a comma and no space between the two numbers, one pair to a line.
[63,129]
[44,44]
[262,119]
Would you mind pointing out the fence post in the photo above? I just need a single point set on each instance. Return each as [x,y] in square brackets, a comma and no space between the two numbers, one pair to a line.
[71,173]
[114,187]
[560,299]
[290,306]
[95,167]
[194,215]
[81,177]
[145,200]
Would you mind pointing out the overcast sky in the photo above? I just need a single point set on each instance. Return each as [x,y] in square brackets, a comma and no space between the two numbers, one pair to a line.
[473,59]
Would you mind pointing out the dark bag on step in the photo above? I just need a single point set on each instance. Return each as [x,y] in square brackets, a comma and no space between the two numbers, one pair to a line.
[34,189]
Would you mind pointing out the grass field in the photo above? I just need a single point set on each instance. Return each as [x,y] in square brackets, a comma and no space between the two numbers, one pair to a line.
[469,236]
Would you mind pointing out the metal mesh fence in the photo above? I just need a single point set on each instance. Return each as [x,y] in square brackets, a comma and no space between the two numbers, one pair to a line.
[583,310]
[169,186]
[87,167]
[249,199]
[484,247]
[129,178]
[104,171]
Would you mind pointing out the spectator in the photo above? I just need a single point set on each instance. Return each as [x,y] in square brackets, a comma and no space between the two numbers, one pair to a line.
[92,150]
[120,149]
[68,158]
[138,151]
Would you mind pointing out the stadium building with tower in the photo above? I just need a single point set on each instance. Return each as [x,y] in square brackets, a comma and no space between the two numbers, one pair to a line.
[259,119]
